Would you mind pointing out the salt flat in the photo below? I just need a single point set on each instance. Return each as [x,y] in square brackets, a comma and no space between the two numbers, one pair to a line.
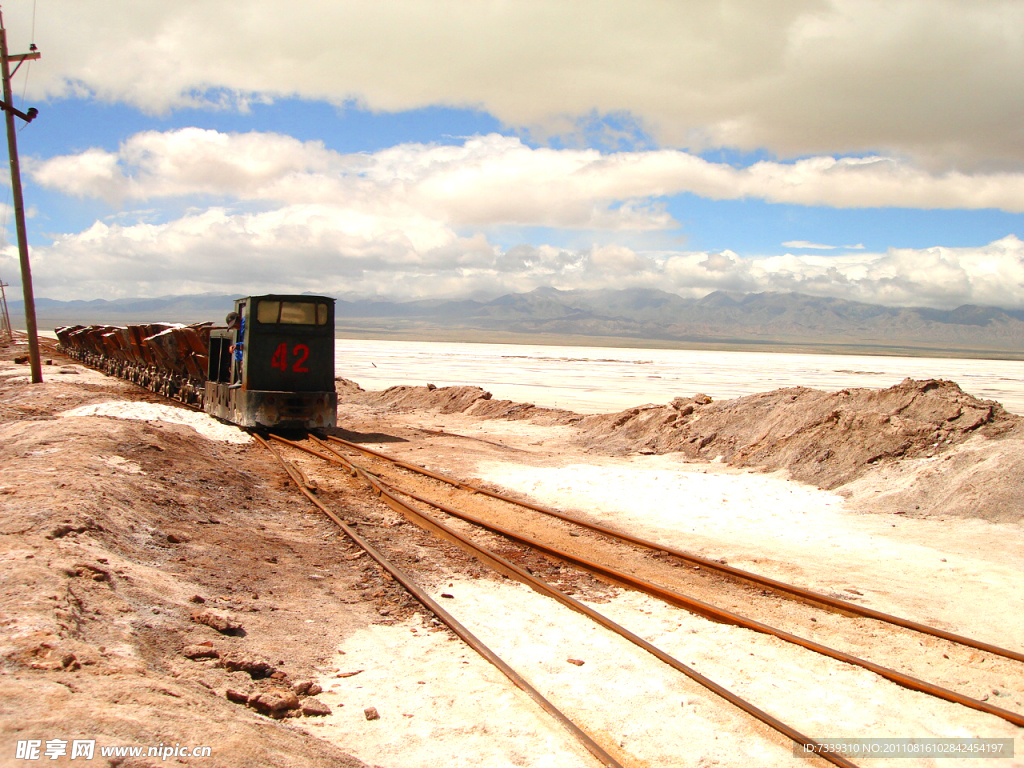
[604,379]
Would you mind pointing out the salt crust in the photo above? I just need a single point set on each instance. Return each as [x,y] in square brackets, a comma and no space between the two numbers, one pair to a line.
[205,425]
[966,574]
[430,689]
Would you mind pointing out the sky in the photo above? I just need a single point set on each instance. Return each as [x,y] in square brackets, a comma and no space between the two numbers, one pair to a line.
[870,150]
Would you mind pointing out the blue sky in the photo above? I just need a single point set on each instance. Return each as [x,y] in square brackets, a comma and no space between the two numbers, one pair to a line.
[865,150]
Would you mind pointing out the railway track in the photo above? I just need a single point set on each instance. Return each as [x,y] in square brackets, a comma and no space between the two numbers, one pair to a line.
[609,555]
[543,531]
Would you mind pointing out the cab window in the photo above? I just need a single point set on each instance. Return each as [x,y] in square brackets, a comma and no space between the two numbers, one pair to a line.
[292,312]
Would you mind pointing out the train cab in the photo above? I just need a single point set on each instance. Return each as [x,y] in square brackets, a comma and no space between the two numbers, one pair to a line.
[273,366]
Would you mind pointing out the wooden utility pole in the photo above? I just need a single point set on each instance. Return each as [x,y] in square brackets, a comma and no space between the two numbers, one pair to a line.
[5,319]
[19,205]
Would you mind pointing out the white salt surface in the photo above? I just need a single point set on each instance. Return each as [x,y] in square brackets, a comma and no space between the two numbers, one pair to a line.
[429,689]
[962,577]
[205,425]
[603,379]
[56,374]
[795,532]
[441,704]
[672,721]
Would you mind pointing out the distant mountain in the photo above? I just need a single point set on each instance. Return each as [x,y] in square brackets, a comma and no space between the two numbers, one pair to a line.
[184,309]
[761,319]
[790,320]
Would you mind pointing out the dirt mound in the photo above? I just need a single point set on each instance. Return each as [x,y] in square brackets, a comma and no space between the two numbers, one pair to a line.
[508,409]
[346,386]
[918,448]
[826,438]
[472,401]
[443,399]
[980,479]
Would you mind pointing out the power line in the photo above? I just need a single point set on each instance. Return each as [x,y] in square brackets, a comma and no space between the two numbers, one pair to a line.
[31,47]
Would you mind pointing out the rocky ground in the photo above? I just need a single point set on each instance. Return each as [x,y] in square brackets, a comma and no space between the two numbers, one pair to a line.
[147,573]
[159,587]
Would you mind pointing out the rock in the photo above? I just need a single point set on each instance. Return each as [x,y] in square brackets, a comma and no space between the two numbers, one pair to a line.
[257,669]
[218,621]
[371,713]
[307,688]
[236,696]
[178,538]
[577,662]
[84,570]
[274,703]
[196,652]
[315,708]
[64,529]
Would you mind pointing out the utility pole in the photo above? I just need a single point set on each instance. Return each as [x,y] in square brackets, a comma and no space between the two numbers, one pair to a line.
[19,205]
[5,319]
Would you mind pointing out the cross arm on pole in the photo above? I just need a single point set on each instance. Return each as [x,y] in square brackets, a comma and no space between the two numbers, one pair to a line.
[21,58]
[24,56]
[28,117]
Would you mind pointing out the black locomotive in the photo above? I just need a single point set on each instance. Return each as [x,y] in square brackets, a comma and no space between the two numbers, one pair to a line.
[271,366]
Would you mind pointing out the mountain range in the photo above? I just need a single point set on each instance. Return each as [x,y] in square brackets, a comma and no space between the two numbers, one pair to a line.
[622,317]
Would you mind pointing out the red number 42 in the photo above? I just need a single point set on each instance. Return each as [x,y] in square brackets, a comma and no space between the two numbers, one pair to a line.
[280,358]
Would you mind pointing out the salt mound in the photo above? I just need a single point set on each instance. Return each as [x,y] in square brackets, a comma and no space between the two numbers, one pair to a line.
[473,401]
[979,478]
[825,438]
[443,399]
[205,425]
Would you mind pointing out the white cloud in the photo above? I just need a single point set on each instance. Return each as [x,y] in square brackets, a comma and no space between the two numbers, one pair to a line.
[419,220]
[494,179]
[938,80]
[933,277]
[187,161]
[330,250]
[301,247]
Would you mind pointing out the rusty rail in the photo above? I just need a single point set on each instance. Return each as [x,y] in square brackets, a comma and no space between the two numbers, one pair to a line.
[434,607]
[707,609]
[507,568]
[764,581]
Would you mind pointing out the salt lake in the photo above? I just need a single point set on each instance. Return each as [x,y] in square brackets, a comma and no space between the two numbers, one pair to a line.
[604,379]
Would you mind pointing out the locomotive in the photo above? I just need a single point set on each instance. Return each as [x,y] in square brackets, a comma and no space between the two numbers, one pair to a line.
[271,366]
